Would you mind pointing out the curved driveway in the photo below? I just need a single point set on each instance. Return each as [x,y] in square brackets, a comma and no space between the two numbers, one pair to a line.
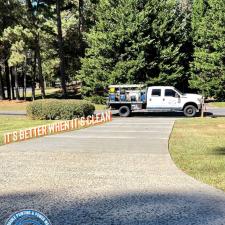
[116,173]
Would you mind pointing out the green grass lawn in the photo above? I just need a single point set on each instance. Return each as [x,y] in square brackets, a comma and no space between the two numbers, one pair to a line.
[48,92]
[13,123]
[197,146]
[217,104]
[100,107]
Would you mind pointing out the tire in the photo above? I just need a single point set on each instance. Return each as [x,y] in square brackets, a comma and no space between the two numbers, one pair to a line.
[190,111]
[124,111]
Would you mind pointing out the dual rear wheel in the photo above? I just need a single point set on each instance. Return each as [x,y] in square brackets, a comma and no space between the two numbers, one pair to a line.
[124,111]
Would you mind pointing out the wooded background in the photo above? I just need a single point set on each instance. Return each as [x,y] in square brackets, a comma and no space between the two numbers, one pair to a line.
[102,42]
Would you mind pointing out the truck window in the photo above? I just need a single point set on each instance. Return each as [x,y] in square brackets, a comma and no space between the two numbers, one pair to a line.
[170,93]
[156,92]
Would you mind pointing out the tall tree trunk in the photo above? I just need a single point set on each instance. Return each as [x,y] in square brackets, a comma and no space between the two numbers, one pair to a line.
[11,84]
[25,81]
[23,73]
[14,70]
[60,44]
[81,16]
[7,76]
[37,48]
[34,76]
[2,90]
[37,55]
[39,61]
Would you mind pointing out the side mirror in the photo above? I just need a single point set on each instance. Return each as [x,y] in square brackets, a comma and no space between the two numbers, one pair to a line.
[177,96]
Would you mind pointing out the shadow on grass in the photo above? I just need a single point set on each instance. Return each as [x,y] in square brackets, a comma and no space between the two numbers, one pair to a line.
[219,151]
[126,209]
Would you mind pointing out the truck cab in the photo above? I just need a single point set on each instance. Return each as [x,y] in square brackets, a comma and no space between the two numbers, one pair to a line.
[154,99]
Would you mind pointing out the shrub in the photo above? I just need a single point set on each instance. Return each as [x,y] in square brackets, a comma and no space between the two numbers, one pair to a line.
[96,99]
[53,109]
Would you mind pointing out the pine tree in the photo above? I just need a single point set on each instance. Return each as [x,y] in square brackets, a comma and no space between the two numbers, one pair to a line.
[10,12]
[208,68]
[135,42]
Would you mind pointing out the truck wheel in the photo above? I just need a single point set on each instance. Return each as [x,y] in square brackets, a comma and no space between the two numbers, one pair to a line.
[190,111]
[124,111]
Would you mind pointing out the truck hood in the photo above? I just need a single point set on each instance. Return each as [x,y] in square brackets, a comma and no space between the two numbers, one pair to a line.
[196,96]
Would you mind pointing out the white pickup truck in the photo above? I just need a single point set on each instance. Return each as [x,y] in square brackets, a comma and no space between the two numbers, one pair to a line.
[130,98]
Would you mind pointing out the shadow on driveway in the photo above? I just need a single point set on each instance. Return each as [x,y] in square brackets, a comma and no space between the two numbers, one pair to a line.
[127,209]
[218,151]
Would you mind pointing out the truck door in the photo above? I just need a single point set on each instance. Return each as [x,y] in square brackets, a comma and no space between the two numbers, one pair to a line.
[154,98]
[171,99]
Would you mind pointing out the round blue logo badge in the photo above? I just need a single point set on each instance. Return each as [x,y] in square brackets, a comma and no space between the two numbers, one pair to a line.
[28,217]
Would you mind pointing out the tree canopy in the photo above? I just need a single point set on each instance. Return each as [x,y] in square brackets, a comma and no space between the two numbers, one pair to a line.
[102,42]
[208,66]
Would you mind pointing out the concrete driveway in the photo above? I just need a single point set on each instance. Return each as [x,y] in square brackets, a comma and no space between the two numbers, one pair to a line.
[115,173]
